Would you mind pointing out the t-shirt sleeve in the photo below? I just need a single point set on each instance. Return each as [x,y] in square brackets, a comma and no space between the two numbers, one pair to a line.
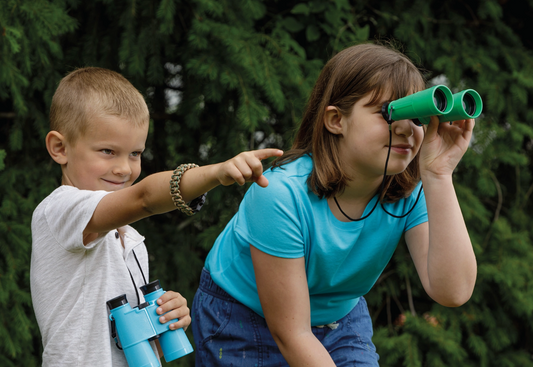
[67,213]
[269,218]
[419,214]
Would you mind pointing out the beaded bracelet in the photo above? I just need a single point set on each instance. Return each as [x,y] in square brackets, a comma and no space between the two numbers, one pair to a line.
[176,193]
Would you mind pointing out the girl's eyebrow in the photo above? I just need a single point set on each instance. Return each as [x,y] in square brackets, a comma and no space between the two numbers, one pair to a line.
[378,102]
[380,96]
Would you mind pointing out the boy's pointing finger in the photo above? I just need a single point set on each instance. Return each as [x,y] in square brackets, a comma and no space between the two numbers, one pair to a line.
[267,153]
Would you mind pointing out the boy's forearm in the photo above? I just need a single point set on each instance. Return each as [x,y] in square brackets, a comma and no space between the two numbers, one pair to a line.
[148,197]
[155,193]
[245,167]
[193,183]
[197,181]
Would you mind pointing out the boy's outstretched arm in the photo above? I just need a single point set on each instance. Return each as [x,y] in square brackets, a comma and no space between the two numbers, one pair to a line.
[152,195]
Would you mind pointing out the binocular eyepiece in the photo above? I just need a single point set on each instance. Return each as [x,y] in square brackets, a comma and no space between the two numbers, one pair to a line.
[137,326]
[435,101]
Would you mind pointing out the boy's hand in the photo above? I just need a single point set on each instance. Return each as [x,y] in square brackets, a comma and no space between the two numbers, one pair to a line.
[173,305]
[246,167]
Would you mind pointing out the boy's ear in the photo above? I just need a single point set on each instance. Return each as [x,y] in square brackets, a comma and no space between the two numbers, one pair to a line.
[56,145]
[332,120]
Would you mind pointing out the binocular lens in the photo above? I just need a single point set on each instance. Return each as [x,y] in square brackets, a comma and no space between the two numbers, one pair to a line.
[440,100]
[117,302]
[469,104]
[150,287]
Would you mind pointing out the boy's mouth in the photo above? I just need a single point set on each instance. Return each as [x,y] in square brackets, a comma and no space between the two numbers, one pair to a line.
[114,183]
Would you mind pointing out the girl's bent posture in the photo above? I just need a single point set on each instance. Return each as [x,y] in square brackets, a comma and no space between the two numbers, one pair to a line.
[284,282]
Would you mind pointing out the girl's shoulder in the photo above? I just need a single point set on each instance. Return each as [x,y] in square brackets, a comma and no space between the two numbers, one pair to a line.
[300,167]
[285,182]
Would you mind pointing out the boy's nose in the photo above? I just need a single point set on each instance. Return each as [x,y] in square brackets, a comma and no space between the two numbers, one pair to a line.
[122,167]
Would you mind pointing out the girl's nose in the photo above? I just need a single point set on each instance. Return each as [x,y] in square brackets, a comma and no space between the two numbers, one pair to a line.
[403,128]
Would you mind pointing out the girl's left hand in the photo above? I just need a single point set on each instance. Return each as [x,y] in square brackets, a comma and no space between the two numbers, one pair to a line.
[173,305]
[444,145]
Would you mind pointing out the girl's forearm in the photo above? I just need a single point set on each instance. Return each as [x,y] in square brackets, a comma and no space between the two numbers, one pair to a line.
[451,264]
[303,350]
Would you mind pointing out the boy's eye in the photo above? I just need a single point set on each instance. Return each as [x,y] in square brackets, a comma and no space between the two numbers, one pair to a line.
[136,154]
[107,151]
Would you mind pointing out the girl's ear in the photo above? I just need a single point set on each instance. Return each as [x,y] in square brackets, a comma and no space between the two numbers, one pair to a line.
[56,145]
[333,120]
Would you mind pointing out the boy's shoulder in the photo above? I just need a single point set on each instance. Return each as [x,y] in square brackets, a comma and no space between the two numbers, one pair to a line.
[62,189]
[68,192]
[60,193]
[66,202]
[57,193]
[62,217]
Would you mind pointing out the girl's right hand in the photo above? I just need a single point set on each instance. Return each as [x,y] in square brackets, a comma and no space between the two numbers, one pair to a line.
[444,145]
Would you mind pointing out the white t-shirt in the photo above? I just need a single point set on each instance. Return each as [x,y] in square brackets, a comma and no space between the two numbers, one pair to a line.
[70,282]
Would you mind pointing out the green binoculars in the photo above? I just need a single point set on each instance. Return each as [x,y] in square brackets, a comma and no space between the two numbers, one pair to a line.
[435,101]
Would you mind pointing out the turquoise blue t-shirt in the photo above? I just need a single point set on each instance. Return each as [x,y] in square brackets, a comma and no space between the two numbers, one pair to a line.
[343,260]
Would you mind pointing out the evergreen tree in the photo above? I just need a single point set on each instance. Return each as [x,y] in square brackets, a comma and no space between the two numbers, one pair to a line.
[29,52]
[222,76]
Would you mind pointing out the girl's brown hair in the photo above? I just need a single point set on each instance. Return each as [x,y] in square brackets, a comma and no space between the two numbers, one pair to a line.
[349,76]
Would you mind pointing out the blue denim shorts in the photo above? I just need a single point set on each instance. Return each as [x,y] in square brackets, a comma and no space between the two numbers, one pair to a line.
[227,333]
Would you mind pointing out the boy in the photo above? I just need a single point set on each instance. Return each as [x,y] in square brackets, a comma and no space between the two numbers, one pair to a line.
[84,252]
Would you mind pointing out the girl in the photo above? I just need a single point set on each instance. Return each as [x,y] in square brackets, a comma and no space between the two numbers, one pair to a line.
[285,280]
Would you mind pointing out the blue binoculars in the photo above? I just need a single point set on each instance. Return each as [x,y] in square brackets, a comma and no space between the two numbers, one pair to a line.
[137,326]
[435,101]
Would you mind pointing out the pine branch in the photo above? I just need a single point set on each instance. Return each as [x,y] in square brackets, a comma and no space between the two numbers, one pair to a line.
[7,115]
[384,276]
[389,313]
[498,208]
[397,301]
[526,197]
[410,296]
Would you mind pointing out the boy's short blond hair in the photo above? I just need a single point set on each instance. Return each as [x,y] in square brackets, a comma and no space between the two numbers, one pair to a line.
[89,92]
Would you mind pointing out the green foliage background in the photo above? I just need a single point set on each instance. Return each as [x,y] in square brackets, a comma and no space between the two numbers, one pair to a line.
[223,76]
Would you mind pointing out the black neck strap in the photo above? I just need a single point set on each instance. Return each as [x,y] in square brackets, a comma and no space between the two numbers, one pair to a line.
[131,276]
[384,111]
